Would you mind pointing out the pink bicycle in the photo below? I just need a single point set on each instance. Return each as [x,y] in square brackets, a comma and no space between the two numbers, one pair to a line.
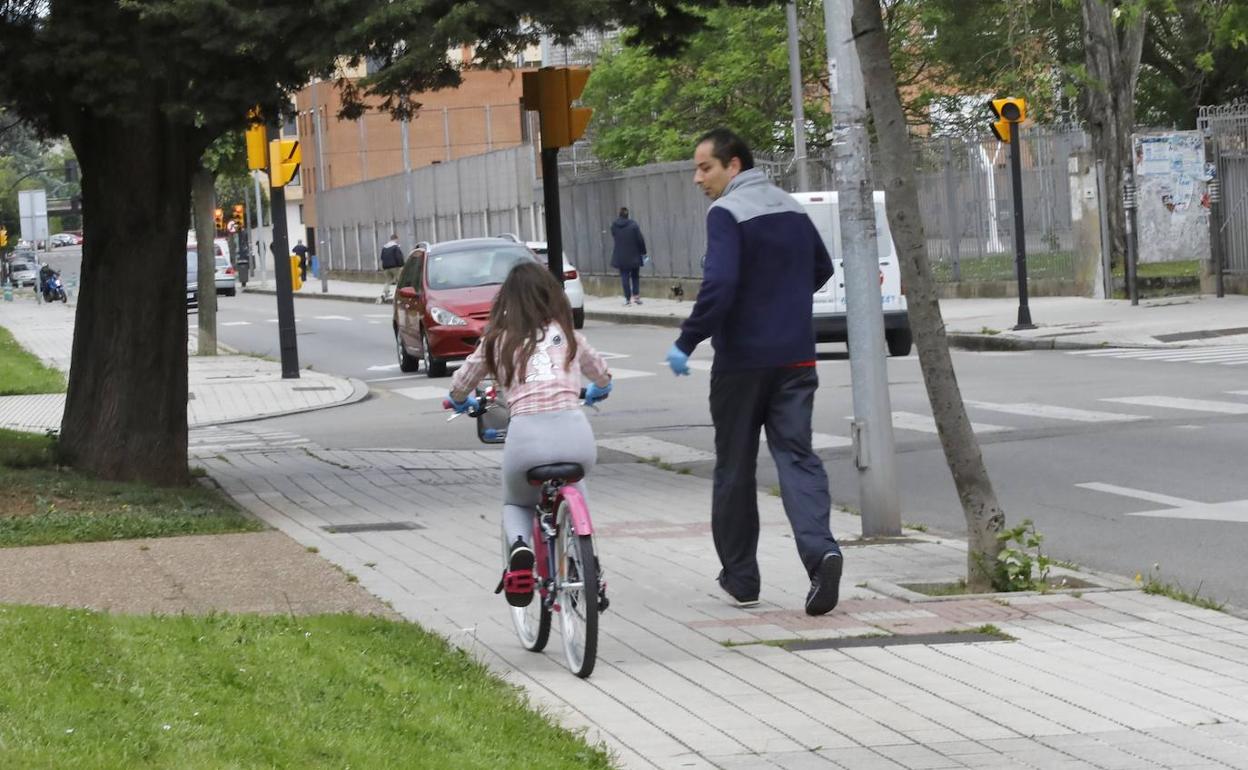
[567,577]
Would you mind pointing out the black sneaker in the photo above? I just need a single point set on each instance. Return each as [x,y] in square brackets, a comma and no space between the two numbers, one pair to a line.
[737,601]
[825,586]
[518,579]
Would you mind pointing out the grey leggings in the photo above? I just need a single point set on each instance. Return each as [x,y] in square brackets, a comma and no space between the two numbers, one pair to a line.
[539,439]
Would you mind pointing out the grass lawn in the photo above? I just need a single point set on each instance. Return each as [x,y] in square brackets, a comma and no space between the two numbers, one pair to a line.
[92,690]
[1000,267]
[42,504]
[23,374]
[1186,268]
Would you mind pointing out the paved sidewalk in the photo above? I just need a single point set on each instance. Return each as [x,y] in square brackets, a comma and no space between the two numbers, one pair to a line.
[222,389]
[1062,322]
[1103,678]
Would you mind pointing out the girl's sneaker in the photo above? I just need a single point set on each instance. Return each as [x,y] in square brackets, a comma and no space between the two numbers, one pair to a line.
[518,581]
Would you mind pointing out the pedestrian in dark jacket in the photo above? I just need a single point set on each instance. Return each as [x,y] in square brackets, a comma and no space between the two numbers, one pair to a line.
[392,263]
[764,262]
[628,255]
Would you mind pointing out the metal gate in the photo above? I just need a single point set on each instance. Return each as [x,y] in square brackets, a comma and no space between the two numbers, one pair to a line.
[1226,140]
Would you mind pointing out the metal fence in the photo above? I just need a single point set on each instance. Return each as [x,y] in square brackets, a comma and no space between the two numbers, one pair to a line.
[966,202]
[1226,136]
[480,195]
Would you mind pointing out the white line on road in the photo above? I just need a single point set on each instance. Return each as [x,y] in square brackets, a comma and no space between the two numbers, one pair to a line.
[1232,510]
[383,368]
[331,318]
[925,424]
[647,447]
[1055,412]
[425,393]
[626,374]
[236,323]
[379,315]
[821,440]
[1190,404]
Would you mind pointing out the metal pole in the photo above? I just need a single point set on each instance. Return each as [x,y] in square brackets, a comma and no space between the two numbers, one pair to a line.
[554,227]
[1215,217]
[1129,203]
[320,187]
[795,94]
[872,429]
[953,229]
[1102,200]
[1020,236]
[281,273]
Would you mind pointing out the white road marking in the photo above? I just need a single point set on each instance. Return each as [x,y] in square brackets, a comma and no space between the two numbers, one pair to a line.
[383,368]
[424,393]
[379,315]
[1055,412]
[626,374]
[1190,404]
[925,424]
[332,318]
[647,447]
[392,379]
[237,323]
[821,440]
[1233,510]
[610,356]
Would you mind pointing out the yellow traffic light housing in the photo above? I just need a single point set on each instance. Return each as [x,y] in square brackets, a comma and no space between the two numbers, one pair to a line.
[4,237]
[218,218]
[550,92]
[1007,111]
[257,142]
[286,157]
[239,216]
[296,281]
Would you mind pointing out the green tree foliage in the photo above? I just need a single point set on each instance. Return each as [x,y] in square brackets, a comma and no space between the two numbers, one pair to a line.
[735,72]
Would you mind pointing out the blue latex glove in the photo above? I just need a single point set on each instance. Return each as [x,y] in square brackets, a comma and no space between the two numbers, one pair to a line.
[460,407]
[678,360]
[594,394]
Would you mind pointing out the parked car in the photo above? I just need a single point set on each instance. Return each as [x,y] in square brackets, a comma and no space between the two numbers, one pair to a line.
[443,299]
[571,282]
[830,311]
[63,239]
[192,279]
[23,273]
[225,277]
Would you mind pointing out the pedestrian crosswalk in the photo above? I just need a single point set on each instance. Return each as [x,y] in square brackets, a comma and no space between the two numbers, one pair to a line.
[225,439]
[1221,355]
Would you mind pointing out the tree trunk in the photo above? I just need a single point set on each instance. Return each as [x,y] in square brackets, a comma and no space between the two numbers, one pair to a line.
[204,196]
[125,412]
[984,517]
[1113,62]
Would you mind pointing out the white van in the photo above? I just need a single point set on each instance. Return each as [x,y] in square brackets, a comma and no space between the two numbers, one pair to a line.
[829,303]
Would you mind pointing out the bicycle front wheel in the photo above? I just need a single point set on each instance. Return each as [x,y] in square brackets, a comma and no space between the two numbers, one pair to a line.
[577,587]
[532,622]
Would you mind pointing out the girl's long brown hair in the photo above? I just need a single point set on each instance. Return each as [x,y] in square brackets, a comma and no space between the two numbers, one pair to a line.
[529,300]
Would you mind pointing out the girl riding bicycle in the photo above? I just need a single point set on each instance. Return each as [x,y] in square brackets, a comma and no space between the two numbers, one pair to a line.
[530,350]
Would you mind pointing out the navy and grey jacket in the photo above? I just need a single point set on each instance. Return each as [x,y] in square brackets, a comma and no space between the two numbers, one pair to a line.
[629,247]
[764,262]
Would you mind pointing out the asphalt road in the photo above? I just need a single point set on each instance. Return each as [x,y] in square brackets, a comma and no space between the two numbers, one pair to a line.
[1181,463]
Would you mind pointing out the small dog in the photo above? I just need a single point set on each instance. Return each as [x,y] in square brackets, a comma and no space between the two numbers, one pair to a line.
[678,292]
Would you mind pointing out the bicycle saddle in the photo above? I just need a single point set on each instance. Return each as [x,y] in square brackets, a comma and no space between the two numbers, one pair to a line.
[569,472]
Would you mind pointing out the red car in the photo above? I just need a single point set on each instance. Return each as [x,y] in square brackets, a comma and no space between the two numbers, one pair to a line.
[443,299]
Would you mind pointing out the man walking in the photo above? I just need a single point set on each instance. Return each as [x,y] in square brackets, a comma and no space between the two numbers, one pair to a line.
[628,255]
[392,263]
[301,252]
[764,261]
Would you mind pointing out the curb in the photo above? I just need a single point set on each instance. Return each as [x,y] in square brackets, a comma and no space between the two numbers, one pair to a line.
[970,341]
[319,295]
[359,391]
[620,317]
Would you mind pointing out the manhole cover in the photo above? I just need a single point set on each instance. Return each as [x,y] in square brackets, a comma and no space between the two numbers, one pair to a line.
[798,645]
[380,526]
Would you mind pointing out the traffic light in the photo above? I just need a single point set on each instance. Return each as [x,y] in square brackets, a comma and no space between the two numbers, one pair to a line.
[4,237]
[218,218]
[285,156]
[257,144]
[1007,111]
[296,283]
[550,92]
[238,217]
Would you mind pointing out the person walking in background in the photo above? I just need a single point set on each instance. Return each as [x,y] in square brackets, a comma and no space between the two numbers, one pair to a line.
[392,263]
[628,255]
[301,251]
[764,261]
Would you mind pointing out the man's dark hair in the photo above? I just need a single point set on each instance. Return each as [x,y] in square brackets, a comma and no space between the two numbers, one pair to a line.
[726,145]
[623,211]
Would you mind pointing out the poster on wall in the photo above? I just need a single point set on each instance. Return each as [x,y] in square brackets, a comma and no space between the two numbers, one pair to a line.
[1172,180]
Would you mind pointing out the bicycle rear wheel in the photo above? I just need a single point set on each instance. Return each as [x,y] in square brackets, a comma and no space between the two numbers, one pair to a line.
[532,622]
[577,586]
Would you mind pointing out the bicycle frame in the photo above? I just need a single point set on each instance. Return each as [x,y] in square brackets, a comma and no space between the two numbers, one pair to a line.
[545,527]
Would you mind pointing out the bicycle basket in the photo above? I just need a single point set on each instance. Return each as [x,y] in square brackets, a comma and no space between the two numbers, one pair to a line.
[492,426]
